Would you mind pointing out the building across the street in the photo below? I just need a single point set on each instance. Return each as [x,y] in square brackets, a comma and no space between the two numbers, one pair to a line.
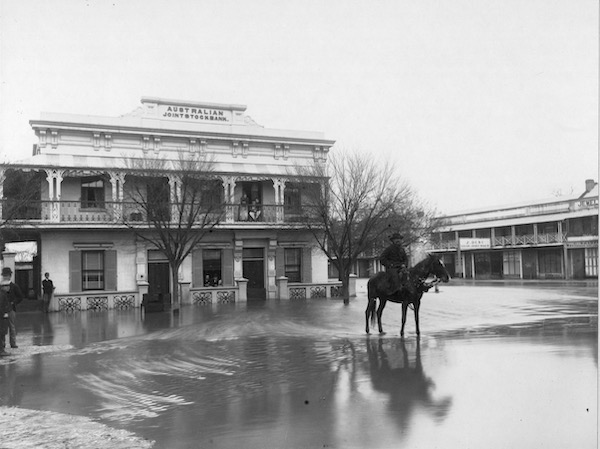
[81,193]
[550,239]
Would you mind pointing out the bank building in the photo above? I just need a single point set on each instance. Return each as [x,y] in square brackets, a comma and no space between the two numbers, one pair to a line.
[80,195]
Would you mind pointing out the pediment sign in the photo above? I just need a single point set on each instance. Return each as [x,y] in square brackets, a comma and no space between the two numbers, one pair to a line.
[194,114]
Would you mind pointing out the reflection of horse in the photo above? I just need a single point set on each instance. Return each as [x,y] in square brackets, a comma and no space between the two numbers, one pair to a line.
[407,386]
[378,287]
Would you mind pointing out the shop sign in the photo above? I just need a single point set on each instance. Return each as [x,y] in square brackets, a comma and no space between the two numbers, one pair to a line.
[475,243]
[194,114]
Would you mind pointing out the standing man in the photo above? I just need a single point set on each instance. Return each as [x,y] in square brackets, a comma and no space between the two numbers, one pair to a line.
[47,290]
[14,297]
[4,309]
[394,259]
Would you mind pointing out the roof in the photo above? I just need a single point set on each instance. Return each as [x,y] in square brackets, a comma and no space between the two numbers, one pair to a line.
[181,118]
[100,163]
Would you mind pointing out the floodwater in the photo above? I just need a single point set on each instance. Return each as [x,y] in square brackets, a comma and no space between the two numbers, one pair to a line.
[496,366]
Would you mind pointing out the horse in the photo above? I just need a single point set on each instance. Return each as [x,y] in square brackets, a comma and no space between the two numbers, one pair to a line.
[378,287]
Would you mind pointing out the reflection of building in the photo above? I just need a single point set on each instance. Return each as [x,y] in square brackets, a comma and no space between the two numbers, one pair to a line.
[83,188]
[555,238]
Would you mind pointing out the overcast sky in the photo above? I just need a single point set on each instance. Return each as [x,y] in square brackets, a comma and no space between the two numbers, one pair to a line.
[478,102]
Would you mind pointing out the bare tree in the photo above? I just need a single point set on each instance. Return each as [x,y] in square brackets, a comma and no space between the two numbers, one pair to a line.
[172,205]
[21,200]
[360,201]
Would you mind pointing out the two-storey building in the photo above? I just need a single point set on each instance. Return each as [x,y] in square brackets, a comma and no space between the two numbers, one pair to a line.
[556,238]
[82,190]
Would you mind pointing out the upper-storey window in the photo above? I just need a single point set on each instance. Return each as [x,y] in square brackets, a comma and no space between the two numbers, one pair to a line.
[583,226]
[92,193]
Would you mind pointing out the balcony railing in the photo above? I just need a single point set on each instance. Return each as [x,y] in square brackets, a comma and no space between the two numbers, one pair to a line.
[109,212]
[507,241]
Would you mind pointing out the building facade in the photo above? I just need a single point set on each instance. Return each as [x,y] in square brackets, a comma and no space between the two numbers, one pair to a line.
[550,239]
[83,189]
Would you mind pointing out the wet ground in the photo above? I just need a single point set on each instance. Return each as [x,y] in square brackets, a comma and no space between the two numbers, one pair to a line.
[496,366]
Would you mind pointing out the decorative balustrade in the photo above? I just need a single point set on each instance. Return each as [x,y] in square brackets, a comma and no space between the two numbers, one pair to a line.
[315,291]
[210,295]
[504,241]
[94,301]
[109,212]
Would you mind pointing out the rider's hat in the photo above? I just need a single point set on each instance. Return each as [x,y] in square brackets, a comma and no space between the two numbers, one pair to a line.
[396,236]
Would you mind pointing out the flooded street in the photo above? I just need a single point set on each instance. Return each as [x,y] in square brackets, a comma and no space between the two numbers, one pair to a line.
[496,366]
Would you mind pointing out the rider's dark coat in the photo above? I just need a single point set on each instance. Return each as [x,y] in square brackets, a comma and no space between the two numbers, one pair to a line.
[394,256]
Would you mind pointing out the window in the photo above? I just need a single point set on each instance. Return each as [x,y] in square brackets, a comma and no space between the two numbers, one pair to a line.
[92,193]
[293,264]
[511,263]
[591,262]
[92,270]
[211,267]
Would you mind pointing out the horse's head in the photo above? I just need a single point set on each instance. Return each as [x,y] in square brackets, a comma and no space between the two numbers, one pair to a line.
[437,268]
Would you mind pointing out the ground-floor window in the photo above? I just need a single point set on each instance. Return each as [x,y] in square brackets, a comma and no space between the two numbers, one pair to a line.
[550,262]
[211,264]
[511,263]
[591,262]
[92,270]
[293,264]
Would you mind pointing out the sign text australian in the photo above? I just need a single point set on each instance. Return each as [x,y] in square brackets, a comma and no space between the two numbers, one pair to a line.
[190,113]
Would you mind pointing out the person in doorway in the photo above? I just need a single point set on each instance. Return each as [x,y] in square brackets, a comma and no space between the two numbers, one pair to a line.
[243,215]
[14,297]
[207,281]
[255,210]
[47,291]
[394,259]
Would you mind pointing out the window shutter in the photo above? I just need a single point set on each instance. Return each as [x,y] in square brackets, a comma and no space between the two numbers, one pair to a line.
[227,266]
[74,271]
[110,270]
[197,279]
[279,261]
[307,264]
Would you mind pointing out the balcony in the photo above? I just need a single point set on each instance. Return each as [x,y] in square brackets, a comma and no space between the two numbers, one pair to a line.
[525,240]
[111,213]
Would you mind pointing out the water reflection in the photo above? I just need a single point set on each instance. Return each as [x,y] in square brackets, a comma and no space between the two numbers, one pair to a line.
[404,381]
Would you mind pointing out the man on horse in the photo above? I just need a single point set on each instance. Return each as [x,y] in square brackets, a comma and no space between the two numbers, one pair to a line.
[394,259]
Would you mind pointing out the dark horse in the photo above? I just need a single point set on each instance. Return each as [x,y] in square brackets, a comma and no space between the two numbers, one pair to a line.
[378,287]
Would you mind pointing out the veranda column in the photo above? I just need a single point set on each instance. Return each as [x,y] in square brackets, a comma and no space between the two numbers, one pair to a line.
[279,185]
[141,261]
[228,197]
[175,196]
[54,178]
[117,180]
[271,272]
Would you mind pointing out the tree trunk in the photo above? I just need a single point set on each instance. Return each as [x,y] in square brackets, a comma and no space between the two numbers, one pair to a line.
[345,278]
[175,300]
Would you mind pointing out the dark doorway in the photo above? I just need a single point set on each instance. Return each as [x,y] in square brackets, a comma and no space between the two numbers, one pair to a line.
[578,258]
[496,262]
[253,266]
[159,280]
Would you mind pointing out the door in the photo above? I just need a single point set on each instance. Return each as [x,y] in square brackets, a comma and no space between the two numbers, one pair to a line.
[159,280]
[253,266]
[529,265]
[578,258]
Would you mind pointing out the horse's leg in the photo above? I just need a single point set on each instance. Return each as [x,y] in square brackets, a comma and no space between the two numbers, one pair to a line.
[417,305]
[404,307]
[369,312]
[382,302]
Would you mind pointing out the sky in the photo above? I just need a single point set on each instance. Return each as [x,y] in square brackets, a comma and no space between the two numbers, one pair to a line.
[478,103]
